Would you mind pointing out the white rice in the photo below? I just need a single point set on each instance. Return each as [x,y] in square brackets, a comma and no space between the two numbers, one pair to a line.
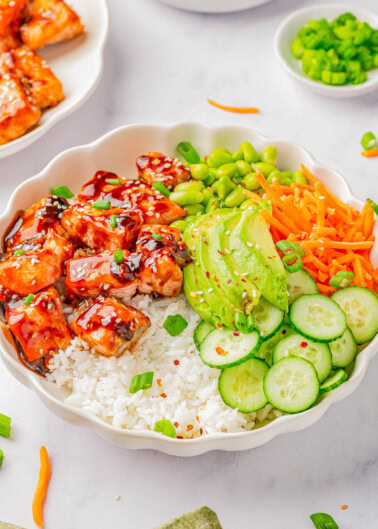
[186,394]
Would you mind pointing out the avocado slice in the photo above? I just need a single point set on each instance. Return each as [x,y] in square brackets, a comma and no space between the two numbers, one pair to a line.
[254,250]
[190,289]
[233,280]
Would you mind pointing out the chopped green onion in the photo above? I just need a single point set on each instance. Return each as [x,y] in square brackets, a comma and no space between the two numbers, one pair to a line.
[62,191]
[114,181]
[158,186]
[19,252]
[250,322]
[5,423]
[1,457]
[101,204]
[341,279]
[29,299]
[188,152]
[165,427]
[118,256]
[368,141]
[292,262]
[157,236]
[143,381]
[322,520]
[113,221]
[174,325]
[373,205]
[286,246]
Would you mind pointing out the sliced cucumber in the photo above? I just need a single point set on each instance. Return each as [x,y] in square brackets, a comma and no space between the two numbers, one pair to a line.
[241,386]
[317,353]
[201,331]
[266,349]
[267,318]
[224,348]
[361,308]
[317,317]
[300,283]
[292,385]
[335,380]
[343,350]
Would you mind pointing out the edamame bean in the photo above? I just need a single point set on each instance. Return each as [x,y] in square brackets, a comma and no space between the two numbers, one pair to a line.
[299,177]
[248,204]
[211,178]
[238,155]
[228,169]
[208,194]
[286,174]
[250,154]
[214,186]
[266,168]
[243,167]
[200,171]
[212,205]
[225,186]
[275,174]
[235,198]
[269,155]
[180,224]
[287,182]
[195,209]
[219,157]
[251,182]
[185,198]
[192,185]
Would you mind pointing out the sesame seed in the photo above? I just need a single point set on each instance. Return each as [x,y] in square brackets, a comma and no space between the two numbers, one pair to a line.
[249,244]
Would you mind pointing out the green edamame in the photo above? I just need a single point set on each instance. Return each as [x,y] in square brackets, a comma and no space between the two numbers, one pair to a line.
[286,174]
[208,194]
[248,204]
[195,209]
[238,155]
[180,224]
[235,198]
[249,152]
[299,177]
[243,168]
[200,171]
[275,174]
[269,155]
[192,185]
[219,157]
[227,169]
[225,186]
[212,205]
[266,168]
[251,182]
[185,198]
[287,182]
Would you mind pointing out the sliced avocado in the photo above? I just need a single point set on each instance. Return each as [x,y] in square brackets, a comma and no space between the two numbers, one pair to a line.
[190,289]
[253,249]
[235,285]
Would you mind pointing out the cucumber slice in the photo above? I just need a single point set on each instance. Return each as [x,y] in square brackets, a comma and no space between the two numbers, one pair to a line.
[335,380]
[267,318]
[300,283]
[317,317]
[224,348]
[343,350]
[266,349]
[201,331]
[361,308]
[317,353]
[292,385]
[241,386]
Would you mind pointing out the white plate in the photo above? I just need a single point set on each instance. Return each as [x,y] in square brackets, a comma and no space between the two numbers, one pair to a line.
[288,30]
[215,6]
[117,152]
[78,65]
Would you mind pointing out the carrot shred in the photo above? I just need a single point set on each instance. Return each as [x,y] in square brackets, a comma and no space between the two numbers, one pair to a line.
[237,110]
[41,489]
[368,222]
[371,153]
[325,289]
[360,280]
[275,223]
[320,243]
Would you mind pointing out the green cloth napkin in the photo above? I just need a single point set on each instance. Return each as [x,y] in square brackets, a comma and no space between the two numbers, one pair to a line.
[202,518]
[5,525]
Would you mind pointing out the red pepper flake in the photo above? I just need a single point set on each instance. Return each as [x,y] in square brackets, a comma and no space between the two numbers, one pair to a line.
[219,326]
[207,274]
[179,437]
[237,284]
[284,331]
[304,344]
[176,362]
[163,395]
[229,281]
[176,424]
[266,266]
[201,431]
[159,382]
[236,333]
[254,279]
[344,507]
[244,281]
[221,253]
[221,351]
[197,419]
[189,427]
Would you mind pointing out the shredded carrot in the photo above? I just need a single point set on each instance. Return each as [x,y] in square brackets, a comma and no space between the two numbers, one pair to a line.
[358,270]
[237,110]
[371,153]
[41,490]
[337,244]
[325,289]
[275,223]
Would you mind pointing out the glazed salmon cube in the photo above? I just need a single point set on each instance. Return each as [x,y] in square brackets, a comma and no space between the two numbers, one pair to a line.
[12,14]
[156,167]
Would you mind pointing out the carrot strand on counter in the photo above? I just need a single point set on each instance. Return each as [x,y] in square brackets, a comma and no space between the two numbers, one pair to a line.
[41,489]
[237,110]
[371,153]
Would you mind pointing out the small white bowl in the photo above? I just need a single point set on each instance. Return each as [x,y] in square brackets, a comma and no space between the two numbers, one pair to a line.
[287,33]
[78,65]
[116,152]
[215,6]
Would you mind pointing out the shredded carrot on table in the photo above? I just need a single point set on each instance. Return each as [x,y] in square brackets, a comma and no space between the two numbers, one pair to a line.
[237,110]
[371,153]
[41,490]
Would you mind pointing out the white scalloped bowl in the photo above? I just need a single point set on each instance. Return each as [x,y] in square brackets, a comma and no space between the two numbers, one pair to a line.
[117,151]
[77,63]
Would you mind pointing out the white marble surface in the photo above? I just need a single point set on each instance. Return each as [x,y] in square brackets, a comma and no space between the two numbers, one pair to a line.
[160,66]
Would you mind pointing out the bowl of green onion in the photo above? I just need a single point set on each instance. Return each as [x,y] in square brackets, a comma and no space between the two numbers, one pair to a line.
[332,49]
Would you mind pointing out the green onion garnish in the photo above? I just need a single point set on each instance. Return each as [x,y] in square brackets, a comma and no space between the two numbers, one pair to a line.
[1,457]
[5,423]
[341,279]
[368,141]
[157,236]
[158,186]
[165,427]
[113,221]
[188,152]
[373,205]
[174,325]
[322,520]
[143,381]
[28,299]
[286,246]
[292,262]
[118,256]
[114,181]
[19,252]
[62,191]
[250,322]
[101,204]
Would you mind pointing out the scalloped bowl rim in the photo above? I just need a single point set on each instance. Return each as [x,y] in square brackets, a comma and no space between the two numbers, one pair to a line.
[134,439]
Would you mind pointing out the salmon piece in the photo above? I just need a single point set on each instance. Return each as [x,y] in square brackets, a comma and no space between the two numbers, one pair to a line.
[12,14]
[156,167]
[108,326]
[39,327]
[92,275]
[36,269]
[51,21]
[35,74]
[92,227]
[129,194]
[18,113]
